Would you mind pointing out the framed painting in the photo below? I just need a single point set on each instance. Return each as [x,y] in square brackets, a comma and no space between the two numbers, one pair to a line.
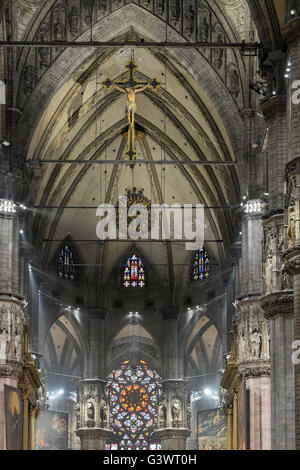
[13,418]
[212,430]
[52,430]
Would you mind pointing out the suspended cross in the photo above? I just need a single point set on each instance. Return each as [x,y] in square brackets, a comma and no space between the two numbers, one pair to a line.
[131,87]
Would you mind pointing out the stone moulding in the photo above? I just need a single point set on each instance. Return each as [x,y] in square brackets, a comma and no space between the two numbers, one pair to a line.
[277,303]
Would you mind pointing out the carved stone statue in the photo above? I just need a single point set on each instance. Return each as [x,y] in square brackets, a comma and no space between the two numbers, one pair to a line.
[256,344]
[189,22]
[269,275]
[218,54]
[44,53]
[291,232]
[74,21]
[77,415]
[160,7]
[3,343]
[189,415]
[242,346]
[234,82]
[203,22]
[176,411]
[104,413]
[174,13]
[162,415]
[287,281]
[102,9]
[90,414]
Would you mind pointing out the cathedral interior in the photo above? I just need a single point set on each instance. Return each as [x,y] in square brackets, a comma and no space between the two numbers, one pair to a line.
[140,343]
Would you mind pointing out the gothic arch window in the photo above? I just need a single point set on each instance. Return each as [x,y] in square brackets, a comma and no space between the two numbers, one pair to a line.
[133,392]
[201,265]
[134,272]
[66,263]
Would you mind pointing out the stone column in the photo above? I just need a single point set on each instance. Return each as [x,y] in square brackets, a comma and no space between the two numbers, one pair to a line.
[12,319]
[229,427]
[254,369]
[174,406]
[278,308]
[292,255]
[235,422]
[92,410]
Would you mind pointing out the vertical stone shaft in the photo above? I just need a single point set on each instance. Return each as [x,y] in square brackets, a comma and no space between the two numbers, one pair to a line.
[292,36]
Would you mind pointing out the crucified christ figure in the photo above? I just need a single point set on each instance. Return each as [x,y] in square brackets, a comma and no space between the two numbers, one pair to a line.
[131,103]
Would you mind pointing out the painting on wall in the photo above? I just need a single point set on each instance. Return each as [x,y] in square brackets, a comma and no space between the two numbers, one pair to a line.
[212,430]
[13,418]
[52,430]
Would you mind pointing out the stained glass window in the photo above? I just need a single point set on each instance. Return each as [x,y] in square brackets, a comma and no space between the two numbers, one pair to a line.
[133,392]
[201,265]
[134,272]
[66,264]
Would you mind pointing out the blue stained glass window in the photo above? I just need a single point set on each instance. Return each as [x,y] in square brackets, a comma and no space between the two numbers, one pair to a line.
[66,264]
[201,265]
[133,406]
[134,272]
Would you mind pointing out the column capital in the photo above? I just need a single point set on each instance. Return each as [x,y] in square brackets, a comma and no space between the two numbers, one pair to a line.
[254,369]
[278,304]
[13,184]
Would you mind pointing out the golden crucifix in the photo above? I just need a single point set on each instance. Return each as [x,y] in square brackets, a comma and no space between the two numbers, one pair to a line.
[131,87]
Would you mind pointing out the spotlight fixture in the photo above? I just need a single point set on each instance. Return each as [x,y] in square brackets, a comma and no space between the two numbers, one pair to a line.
[4,142]
[260,88]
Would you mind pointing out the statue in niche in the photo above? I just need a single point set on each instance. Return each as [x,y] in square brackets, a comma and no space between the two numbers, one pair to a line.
[174,13]
[269,274]
[176,411]
[3,343]
[189,23]
[256,343]
[203,19]
[88,12]
[58,23]
[287,281]
[233,82]
[77,415]
[59,30]
[104,413]
[218,54]
[160,7]
[44,32]
[28,80]
[102,9]
[74,21]
[162,415]
[90,414]
[242,345]
[18,345]
[44,53]
[189,415]
[291,231]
